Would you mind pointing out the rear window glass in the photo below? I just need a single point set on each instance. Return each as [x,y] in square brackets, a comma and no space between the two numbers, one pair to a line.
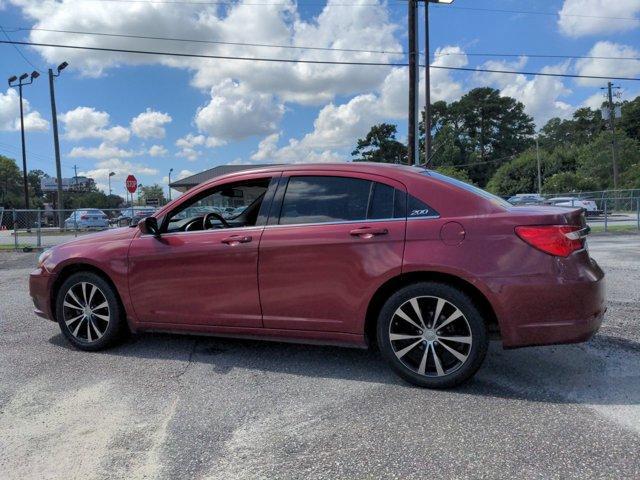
[386,202]
[470,188]
[325,199]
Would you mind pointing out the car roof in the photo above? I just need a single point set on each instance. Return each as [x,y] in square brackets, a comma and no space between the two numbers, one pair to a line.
[384,169]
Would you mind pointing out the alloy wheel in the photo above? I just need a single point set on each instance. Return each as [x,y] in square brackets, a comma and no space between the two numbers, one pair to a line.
[430,336]
[86,312]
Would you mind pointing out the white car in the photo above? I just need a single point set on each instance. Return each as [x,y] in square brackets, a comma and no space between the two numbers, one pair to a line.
[590,207]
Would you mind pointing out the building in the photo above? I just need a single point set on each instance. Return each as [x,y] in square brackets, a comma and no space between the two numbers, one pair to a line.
[187,183]
[73,184]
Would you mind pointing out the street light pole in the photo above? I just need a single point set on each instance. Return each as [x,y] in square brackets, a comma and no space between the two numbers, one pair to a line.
[56,142]
[20,84]
[111,174]
[170,170]
[427,80]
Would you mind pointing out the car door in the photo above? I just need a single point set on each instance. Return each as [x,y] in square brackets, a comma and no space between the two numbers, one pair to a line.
[203,277]
[332,239]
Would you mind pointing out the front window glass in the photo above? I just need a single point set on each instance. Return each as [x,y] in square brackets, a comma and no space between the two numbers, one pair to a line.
[237,204]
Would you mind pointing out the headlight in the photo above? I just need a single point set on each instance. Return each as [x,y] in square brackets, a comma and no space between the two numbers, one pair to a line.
[44,256]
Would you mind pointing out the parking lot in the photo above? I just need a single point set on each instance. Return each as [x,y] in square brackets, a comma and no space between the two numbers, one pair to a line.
[164,406]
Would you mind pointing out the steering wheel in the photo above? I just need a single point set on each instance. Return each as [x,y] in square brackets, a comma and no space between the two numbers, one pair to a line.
[206,221]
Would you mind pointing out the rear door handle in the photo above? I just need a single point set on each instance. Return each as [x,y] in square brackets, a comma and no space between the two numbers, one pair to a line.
[368,232]
[236,239]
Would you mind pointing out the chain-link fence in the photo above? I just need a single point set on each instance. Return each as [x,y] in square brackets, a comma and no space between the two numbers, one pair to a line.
[26,229]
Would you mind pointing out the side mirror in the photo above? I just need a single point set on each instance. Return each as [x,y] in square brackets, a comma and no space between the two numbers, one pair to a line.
[149,226]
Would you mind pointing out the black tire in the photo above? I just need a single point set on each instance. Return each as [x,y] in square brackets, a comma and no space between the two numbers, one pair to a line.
[406,365]
[100,334]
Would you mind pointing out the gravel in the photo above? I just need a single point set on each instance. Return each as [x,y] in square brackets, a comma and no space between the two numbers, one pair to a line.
[171,406]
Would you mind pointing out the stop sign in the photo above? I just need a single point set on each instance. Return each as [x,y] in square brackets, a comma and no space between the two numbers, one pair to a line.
[132,183]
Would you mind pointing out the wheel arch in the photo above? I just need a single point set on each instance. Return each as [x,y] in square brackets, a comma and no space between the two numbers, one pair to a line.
[394,284]
[78,267]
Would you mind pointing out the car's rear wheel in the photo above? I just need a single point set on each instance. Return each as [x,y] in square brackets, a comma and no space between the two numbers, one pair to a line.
[88,312]
[432,335]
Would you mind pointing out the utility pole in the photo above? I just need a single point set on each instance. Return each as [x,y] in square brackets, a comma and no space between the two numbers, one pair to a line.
[612,125]
[427,88]
[412,134]
[56,142]
[539,170]
[170,170]
[75,175]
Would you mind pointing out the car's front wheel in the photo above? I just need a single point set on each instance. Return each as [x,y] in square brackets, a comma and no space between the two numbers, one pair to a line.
[432,334]
[88,311]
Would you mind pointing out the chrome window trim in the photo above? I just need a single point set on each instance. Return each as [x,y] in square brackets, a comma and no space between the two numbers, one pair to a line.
[316,224]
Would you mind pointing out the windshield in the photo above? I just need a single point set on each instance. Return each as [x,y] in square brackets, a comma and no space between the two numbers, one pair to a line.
[470,188]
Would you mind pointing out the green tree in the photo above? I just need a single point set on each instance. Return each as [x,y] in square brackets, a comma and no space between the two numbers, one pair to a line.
[594,160]
[380,145]
[518,176]
[565,182]
[480,131]
[10,183]
[630,121]
[152,192]
[585,125]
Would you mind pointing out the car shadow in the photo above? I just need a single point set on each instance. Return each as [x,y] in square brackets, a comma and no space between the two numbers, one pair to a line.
[604,371]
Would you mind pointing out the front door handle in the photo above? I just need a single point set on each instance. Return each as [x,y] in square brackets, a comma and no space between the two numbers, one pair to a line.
[236,239]
[368,232]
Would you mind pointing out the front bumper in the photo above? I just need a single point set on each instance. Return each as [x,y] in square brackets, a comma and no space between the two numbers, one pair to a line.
[551,310]
[40,288]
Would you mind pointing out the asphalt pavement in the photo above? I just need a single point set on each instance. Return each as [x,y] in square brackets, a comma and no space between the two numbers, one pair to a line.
[170,406]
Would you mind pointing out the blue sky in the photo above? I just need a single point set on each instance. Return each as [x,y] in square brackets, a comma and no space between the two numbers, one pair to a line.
[145,115]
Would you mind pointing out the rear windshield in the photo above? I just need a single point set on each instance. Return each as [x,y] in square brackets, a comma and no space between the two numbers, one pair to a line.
[470,188]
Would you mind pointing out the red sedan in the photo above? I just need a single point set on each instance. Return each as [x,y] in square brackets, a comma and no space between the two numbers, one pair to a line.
[423,266]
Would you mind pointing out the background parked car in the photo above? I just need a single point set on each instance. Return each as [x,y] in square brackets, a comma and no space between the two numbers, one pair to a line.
[526,199]
[590,207]
[133,215]
[87,218]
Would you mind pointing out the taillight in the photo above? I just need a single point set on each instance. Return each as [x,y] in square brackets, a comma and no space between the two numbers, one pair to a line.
[558,240]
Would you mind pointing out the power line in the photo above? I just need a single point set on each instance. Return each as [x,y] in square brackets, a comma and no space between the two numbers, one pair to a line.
[214,42]
[20,51]
[531,55]
[319,62]
[529,12]
[307,47]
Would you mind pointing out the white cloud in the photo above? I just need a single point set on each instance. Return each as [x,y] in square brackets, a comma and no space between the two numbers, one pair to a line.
[10,114]
[150,124]
[540,95]
[158,151]
[100,172]
[235,112]
[87,122]
[294,152]
[589,17]
[104,150]
[358,27]
[188,146]
[178,176]
[604,68]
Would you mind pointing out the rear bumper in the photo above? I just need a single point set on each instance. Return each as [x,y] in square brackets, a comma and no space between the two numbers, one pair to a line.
[40,287]
[551,310]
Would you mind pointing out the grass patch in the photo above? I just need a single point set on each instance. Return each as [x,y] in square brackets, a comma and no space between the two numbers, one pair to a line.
[615,229]
[6,247]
